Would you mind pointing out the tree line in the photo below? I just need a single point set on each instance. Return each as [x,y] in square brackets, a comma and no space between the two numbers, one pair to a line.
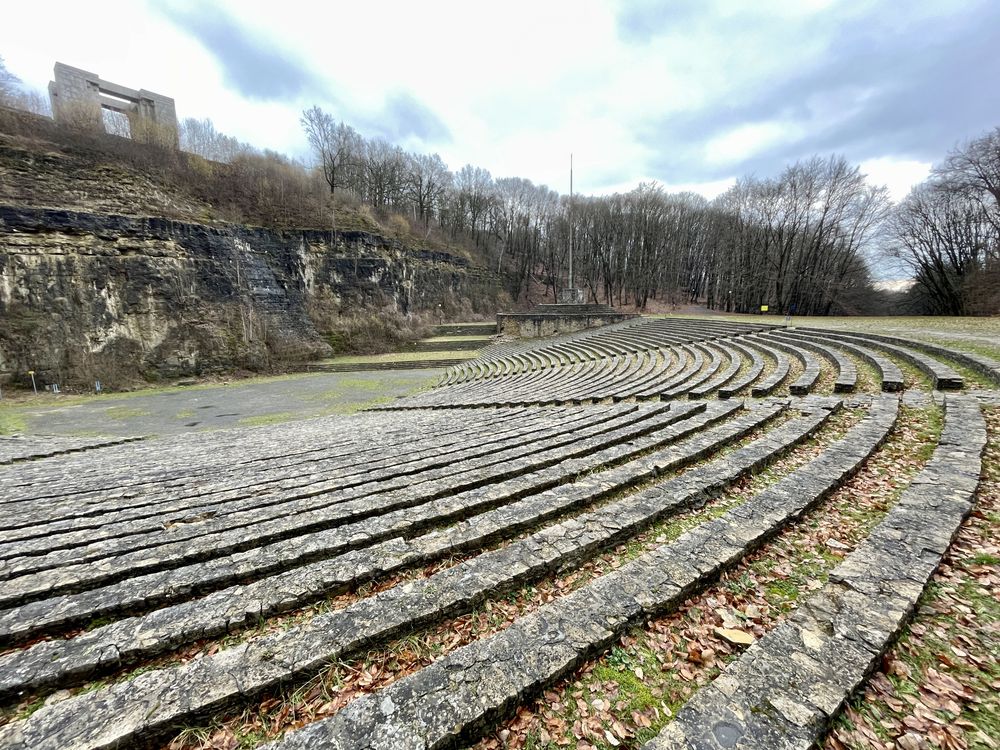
[803,241]
[947,231]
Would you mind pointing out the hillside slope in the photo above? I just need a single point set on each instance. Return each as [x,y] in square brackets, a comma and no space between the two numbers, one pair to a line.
[110,269]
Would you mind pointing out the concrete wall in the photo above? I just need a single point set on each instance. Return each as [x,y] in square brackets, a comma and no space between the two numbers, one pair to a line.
[84,296]
[78,95]
[528,325]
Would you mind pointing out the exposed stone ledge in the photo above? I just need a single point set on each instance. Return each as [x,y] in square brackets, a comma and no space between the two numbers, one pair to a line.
[783,692]
[453,697]
[154,700]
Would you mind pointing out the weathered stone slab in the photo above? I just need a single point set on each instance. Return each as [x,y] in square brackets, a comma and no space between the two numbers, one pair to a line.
[783,692]
[171,585]
[160,698]
[14,448]
[136,528]
[847,372]
[889,372]
[748,377]
[943,377]
[443,702]
[476,440]
[292,518]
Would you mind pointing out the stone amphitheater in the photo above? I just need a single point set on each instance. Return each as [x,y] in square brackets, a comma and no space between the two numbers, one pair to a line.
[149,587]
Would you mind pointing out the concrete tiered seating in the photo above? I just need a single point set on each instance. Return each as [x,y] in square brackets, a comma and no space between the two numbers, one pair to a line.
[270,554]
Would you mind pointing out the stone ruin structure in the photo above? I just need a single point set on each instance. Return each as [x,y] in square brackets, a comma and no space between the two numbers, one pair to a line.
[80,95]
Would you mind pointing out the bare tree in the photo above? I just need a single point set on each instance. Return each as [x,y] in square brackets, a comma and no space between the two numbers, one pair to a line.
[201,137]
[947,239]
[473,193]
[335,143]
[10,86]
[383,168]
[427,179]
[948,231]
[974,168]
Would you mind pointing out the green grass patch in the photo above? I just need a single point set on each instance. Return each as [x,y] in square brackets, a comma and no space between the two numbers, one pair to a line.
[460,339]
[11,422]
[361,359]
[260,420]
[121,413]
[913,377]
[984,558]
[961,345]
[621,671]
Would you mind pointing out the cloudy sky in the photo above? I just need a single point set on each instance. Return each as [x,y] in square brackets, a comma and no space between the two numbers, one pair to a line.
[692,93]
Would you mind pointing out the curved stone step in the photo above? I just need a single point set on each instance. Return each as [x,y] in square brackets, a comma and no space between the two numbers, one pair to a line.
[61,663]
[810,365]
[442,702]
[153,701]
[942,376]
[348,470]
[173,585]
[984,365]
[723,377]
[847,372]
[14,448]
[785,689]
[767,384]
[69,570]
[889,373]
[752,373]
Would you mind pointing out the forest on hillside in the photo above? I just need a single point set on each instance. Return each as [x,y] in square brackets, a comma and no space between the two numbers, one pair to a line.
[804,241]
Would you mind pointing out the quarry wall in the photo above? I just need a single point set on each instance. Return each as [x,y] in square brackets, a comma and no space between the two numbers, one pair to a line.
[87,296]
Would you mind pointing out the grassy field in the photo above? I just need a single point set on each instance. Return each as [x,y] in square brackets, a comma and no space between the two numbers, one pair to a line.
[435,339]
[401,357]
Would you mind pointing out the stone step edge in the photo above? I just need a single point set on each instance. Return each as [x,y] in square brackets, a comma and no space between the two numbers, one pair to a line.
[33,583]
[17,624]
[784,691]
[223,501]
[941,375]
[150,494]
[167,696]
[64,663]
[8,460]
[454,697]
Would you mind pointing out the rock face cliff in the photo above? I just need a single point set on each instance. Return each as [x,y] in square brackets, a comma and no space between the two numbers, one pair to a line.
[87,296]
[119,261]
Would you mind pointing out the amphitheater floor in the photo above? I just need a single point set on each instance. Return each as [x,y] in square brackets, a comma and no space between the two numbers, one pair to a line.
[211,407]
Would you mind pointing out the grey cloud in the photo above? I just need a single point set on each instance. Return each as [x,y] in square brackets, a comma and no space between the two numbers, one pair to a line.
[253,66]
[926,85]
[403,116]
[640,21]
[257,69]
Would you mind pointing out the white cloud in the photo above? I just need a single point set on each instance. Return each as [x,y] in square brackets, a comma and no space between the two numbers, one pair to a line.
[710,189]
[899,175]
[745,140]
[517,86]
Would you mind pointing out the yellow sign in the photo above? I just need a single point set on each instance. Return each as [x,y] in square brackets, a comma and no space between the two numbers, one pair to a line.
[763,308]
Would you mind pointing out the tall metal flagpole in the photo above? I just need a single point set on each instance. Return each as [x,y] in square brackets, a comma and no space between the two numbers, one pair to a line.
[571,225]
